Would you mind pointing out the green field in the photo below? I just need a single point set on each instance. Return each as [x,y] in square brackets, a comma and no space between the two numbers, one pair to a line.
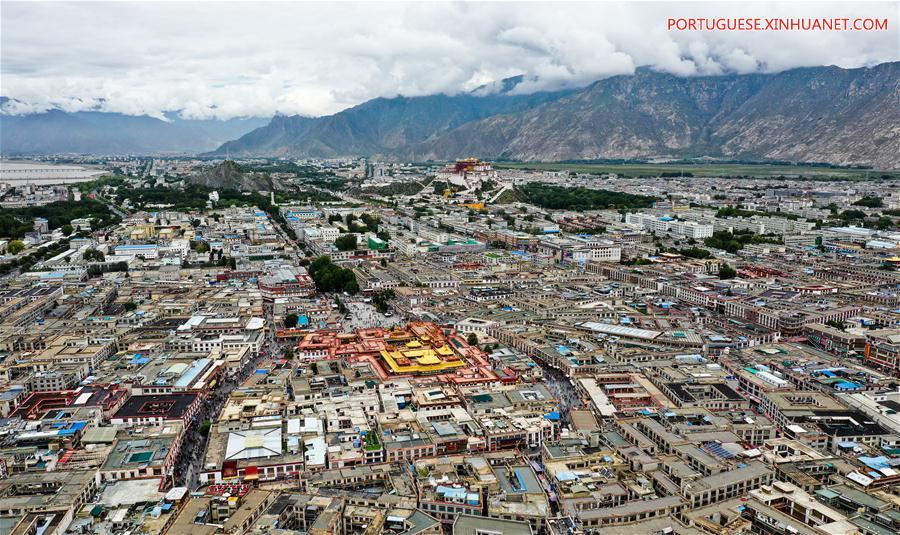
[725,170]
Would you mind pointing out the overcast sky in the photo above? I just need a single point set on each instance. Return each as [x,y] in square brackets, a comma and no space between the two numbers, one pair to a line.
[253,59]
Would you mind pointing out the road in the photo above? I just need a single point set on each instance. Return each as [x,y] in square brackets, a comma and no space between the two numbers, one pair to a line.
[193,449]
[115,209]
[560,386]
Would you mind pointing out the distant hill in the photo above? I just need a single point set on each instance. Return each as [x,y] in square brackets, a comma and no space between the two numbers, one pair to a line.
[230,175]
[94,132]
[818,114]
[382,126]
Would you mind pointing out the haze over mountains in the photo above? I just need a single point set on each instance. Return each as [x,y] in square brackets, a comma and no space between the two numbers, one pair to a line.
[818,114]
[96,132]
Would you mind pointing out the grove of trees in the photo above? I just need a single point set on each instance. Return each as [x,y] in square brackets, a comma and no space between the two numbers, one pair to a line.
[580,199]
[330,277]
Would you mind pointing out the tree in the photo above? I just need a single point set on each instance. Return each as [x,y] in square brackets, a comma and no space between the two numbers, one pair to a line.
[129,306]
[382,300]
[195,223]
[331,278]
[472,339]
[201,247]
[66,229]
[869,201]
[371,222]
[15,247]
[347,242]
[727,272]
[93,255]
[204,427]
[851,215]
[882,223]
[290,321]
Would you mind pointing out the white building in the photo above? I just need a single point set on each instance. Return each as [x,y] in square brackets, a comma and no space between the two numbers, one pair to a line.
[149,251]
[665,224]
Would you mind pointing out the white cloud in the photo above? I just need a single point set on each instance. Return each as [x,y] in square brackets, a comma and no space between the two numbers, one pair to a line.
[243,59]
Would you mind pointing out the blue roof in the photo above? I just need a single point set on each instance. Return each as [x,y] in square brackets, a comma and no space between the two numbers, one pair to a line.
[875,462]
[73,428]
[451,492]
[553,416]
[192,372]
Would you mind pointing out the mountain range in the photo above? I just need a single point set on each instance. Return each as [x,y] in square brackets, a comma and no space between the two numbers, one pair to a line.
[96,132]
[383,126]
[815,114]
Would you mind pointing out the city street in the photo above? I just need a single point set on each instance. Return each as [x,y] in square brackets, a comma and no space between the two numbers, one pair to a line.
[189,465]
[558,385]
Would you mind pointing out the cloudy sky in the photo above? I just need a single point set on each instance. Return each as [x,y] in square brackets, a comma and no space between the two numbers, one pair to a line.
[256,59]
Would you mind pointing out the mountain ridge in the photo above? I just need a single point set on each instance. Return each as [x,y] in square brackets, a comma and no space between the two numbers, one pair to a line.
[642,115]
[381,125]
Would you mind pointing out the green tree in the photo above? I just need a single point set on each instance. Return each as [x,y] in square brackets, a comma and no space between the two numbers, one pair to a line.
[201,247]
[347,242]
[869,201]
[93,255]
[382,300]
[66,229]
[204,427]
[851,215]
[332,278]
[290,321]
[15,247]
[129,306]
[727,272]
[472,339]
